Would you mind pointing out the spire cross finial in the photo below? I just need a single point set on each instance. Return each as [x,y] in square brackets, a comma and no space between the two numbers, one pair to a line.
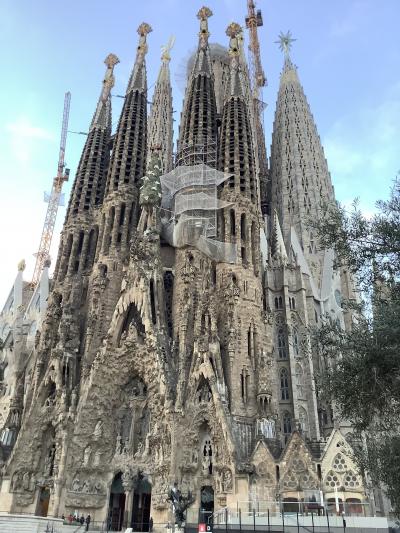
[166,48]
[285,41]
[203,15]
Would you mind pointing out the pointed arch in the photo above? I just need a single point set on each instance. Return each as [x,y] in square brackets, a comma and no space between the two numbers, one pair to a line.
[284,383]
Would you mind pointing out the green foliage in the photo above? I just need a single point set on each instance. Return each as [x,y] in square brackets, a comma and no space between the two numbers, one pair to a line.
[361,374]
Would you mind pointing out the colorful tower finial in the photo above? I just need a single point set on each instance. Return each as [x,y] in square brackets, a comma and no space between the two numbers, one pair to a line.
[203,15]
[102,116]
[233,31]
[285,41]
[166,48]
[108,83]
[143,30]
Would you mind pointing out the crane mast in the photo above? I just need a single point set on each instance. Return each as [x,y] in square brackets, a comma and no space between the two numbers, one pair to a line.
[43,254]
[258,81]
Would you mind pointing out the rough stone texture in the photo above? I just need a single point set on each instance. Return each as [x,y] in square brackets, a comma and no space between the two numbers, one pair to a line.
[157,364]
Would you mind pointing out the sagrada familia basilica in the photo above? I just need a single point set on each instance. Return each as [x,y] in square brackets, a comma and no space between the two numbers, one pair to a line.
[176,347]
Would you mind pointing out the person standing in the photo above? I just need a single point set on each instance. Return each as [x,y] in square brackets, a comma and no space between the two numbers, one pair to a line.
[88,519]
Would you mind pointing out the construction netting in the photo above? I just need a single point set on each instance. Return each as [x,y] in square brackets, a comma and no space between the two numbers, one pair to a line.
[189,210]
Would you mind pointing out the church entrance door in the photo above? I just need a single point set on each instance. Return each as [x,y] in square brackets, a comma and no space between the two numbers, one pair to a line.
[206,504]
[117,504]
[141,506]
[43,502]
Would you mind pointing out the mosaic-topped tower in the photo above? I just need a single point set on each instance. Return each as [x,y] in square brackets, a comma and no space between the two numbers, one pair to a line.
[177,349]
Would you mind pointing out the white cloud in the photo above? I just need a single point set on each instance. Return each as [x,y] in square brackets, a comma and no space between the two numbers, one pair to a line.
[24,137]
[362,150]
[22,128]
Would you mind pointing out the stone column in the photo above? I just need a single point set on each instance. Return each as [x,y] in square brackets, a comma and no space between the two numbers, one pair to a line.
[59,482]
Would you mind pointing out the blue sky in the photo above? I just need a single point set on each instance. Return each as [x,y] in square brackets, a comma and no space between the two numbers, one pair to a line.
[347,51]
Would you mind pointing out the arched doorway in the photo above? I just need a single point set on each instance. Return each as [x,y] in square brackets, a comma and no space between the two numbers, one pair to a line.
[116,508]
[141,506]
[206,504]
[43,502]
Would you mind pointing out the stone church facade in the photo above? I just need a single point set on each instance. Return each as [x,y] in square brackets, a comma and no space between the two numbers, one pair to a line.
[175,346]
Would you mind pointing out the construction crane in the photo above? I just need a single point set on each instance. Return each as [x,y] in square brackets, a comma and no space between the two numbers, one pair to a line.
[258,81]
[43,255]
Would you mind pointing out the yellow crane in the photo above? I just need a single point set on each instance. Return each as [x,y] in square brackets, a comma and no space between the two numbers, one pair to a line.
[43,254]
[258,80]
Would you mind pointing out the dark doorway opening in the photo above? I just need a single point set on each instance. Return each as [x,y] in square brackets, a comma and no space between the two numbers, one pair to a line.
[206,505]
[117,504]
[141,506]
[43,502]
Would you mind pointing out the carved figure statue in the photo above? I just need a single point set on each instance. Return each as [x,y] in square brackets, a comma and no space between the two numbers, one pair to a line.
[86,455]
[98,430]
[179,504]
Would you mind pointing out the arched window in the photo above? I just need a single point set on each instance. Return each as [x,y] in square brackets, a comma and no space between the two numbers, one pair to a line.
[276,303]
[300,381]
[287,424]
[282,353]
[280,302]
[232,222]
[284,380]
[296,349]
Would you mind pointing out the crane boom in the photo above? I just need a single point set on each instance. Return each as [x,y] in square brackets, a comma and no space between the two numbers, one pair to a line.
[258,81]
[51,214]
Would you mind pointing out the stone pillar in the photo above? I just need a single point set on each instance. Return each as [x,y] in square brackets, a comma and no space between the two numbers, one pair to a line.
[59,482]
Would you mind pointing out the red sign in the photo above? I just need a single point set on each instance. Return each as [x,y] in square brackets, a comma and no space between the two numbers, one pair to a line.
[202,528]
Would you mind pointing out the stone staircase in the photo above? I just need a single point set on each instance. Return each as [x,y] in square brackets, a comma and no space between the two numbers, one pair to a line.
[36,524]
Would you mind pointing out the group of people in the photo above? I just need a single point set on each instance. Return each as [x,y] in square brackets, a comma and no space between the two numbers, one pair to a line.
[75,518]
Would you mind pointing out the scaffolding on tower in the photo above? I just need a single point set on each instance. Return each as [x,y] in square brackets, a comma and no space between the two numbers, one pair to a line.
[43,254]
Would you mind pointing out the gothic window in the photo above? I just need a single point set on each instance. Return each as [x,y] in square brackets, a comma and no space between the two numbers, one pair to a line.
[65,374]
[351,480]
[78,251]
[295,336]
[207,457]
[332,480]
[232,222]
[91,248]
[282,353]
[244,385]
[300,381]
[303,421]
[153,302]
[284,381]
[169,292]
[280,300]
[339,463]
[287,424]
[276,303]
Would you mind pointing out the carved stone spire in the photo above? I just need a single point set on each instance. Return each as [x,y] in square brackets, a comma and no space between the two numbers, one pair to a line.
[138,77]
[199,117]
[300,179]
[102,116]
[160,122]
[236,150]
[203,15]
[76,253]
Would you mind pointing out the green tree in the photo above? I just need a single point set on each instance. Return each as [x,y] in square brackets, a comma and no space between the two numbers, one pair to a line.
[362,370]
